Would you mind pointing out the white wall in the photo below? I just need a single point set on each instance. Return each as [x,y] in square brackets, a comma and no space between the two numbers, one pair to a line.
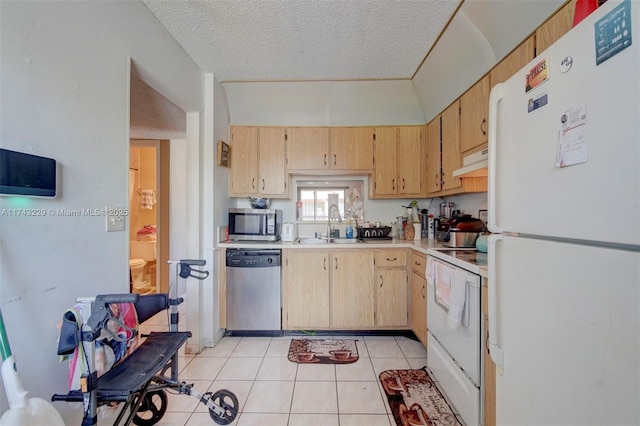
[152,115]
[479,36]
[384,211]
[324,103]
[65,94]
[215,202]
[452,66]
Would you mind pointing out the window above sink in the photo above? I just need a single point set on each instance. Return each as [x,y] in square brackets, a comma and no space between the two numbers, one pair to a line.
[314,197]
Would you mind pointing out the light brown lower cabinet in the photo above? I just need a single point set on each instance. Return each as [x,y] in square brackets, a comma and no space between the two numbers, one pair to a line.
[345,289]
[352,294]
[419,297]
[391,288]
[327,289]
[305,282]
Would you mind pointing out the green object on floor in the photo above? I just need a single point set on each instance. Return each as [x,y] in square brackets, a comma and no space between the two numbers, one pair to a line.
[22,409]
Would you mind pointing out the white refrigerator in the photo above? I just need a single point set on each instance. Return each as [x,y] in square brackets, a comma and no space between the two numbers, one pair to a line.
[564,210]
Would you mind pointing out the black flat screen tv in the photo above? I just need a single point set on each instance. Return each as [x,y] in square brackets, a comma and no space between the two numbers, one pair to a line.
[27,174]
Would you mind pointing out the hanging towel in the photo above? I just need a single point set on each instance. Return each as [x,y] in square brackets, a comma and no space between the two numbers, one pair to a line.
[431,269]
[458,300]
[147,199]
[443,284]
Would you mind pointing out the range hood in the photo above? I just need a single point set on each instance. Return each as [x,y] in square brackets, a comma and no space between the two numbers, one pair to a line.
[474,165]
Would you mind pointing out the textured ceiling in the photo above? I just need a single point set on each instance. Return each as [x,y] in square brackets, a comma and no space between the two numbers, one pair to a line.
[294,40]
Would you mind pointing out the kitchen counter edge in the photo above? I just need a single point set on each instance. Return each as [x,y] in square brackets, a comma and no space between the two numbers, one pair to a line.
[424,246]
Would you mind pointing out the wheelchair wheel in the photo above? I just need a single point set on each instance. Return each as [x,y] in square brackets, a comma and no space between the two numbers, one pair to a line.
[228,402]
[152,408]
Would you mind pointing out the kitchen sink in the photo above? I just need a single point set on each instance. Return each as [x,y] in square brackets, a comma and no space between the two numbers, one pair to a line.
[312,240]
[346,240]
[332,240]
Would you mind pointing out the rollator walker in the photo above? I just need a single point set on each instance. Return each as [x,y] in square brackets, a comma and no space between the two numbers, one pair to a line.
[140,380]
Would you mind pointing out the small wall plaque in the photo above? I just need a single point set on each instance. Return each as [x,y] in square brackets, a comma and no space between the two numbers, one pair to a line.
[223,154]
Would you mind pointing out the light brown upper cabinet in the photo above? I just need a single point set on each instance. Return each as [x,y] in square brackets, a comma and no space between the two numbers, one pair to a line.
[398,162]
[557,26]
[432,181]
[324,148]
[513,62]
[444,156]
[451,146]
[243,175]
[351,148]
[258,162]
[474,115]
[307,148]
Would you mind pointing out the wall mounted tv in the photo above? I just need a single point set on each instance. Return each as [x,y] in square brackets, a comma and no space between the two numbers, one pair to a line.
[27,174]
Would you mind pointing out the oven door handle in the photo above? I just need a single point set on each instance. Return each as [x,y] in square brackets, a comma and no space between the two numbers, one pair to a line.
[496,352]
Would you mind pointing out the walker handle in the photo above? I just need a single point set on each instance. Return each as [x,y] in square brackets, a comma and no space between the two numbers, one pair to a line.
[186,271]
[117,298]
[99,309]
[196,262]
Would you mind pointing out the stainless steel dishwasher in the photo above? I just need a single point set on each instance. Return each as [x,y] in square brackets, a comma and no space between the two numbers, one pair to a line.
[253,290]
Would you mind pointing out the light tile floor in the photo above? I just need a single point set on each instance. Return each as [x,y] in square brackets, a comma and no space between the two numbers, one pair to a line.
[274,391]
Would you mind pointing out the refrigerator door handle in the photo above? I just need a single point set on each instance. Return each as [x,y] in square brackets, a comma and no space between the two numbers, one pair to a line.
[496,95]
[496,352]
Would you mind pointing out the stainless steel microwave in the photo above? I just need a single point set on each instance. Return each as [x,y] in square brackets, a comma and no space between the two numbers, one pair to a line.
[255,224]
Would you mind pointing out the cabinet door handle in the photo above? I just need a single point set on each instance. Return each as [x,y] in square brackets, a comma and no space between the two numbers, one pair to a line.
[402,183]
[417,263]
[324,263]
[392,260]
[263,184]
[334,159]
[483,127]
[253,183]
[381,281]
[325,159]
[393,184]
[422,292]
[435,181]
[335,259]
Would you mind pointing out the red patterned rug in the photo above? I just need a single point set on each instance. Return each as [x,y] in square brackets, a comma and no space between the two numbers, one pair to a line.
[324,351]
[415,400]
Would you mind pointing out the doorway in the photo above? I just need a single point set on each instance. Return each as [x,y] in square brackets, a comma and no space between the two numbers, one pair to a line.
[149,223]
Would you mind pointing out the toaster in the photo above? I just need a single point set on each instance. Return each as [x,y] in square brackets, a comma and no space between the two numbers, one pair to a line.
[288,232]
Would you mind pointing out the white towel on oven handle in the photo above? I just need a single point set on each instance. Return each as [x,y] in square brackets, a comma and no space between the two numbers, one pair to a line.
[431,270]
[458,306]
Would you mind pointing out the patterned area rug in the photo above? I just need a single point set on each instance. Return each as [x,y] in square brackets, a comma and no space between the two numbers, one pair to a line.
[324,351]
[415,400]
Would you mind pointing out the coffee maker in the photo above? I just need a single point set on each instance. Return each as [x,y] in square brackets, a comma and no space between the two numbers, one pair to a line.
[441,226]
[447,210]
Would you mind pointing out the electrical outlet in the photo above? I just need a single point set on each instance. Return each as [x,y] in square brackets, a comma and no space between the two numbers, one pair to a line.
[115,222]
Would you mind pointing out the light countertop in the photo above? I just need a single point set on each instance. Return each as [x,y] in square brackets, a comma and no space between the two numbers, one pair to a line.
[425,246]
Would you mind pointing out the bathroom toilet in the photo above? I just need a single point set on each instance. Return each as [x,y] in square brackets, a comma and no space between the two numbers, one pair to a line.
[141,252]
[139,284]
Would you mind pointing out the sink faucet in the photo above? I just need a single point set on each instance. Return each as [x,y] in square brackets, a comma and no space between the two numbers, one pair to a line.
[333,213]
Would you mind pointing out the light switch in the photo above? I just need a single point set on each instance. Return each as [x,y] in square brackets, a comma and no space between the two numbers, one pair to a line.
[115,222]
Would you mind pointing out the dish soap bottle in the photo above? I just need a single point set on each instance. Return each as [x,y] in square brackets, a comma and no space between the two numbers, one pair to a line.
[349,230]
